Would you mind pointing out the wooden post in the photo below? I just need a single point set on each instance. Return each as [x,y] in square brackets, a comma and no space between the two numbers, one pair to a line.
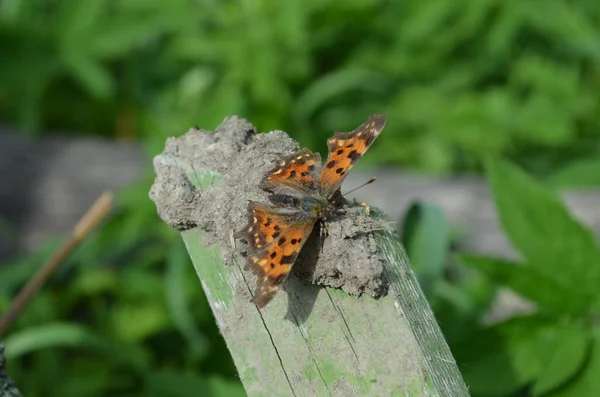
[310,340]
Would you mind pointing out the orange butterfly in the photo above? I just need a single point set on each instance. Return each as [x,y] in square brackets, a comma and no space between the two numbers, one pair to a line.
[302,192]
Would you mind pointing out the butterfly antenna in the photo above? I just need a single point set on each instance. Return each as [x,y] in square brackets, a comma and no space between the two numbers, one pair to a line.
[361,186]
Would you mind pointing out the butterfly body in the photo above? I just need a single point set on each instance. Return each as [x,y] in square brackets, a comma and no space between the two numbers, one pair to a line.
[316,206]
[303,191]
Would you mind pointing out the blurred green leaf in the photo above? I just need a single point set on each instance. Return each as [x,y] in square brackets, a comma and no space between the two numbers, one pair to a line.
[51,336]
[119,36]
[344,82]
[504,358]
[92,283]
[92,76]
[166,384]
[587,383]
[567,25]
[226,388]
[425,235]
[460,304]
[528,282]
[171,384]
[77,20]
[91,378]
[144,306]
[578,174]
[545,121]
[539,226]
[567,348]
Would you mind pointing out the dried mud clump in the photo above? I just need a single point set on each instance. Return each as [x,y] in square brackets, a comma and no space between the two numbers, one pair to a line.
[234,159]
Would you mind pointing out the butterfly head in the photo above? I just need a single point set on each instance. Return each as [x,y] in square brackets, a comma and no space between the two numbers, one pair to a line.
[319,207]
[314,205]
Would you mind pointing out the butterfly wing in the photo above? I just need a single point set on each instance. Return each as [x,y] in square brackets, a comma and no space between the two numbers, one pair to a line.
[276,238]
[293,174]
[344,151]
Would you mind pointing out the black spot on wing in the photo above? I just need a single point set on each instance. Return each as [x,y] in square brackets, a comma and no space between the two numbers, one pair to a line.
[354,156]
[289,259]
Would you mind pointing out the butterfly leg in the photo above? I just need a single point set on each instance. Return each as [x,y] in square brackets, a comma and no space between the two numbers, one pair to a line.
[323,233]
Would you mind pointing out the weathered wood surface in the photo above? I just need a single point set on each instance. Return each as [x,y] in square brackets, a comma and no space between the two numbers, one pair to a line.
[48,183]
[315,341]
[311,340]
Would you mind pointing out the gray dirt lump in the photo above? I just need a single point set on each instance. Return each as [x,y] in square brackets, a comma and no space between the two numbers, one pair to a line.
[238,157]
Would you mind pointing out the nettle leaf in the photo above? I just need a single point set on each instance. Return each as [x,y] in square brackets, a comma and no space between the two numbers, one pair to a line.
[541,229]
[580,173]
[563,351]
[522,351]
[504,358]
[531,284]
[426,238]
[587,382]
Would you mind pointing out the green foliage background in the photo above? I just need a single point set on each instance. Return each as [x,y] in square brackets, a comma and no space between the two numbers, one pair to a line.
[460,80]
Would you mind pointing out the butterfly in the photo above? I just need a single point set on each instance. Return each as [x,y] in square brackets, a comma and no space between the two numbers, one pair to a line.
[303,191]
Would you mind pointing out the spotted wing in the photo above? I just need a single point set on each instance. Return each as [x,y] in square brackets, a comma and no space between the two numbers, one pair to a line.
[293,174]
[344,151]
[276,238]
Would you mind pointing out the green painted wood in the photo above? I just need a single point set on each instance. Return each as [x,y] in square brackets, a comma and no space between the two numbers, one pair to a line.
[339,346]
